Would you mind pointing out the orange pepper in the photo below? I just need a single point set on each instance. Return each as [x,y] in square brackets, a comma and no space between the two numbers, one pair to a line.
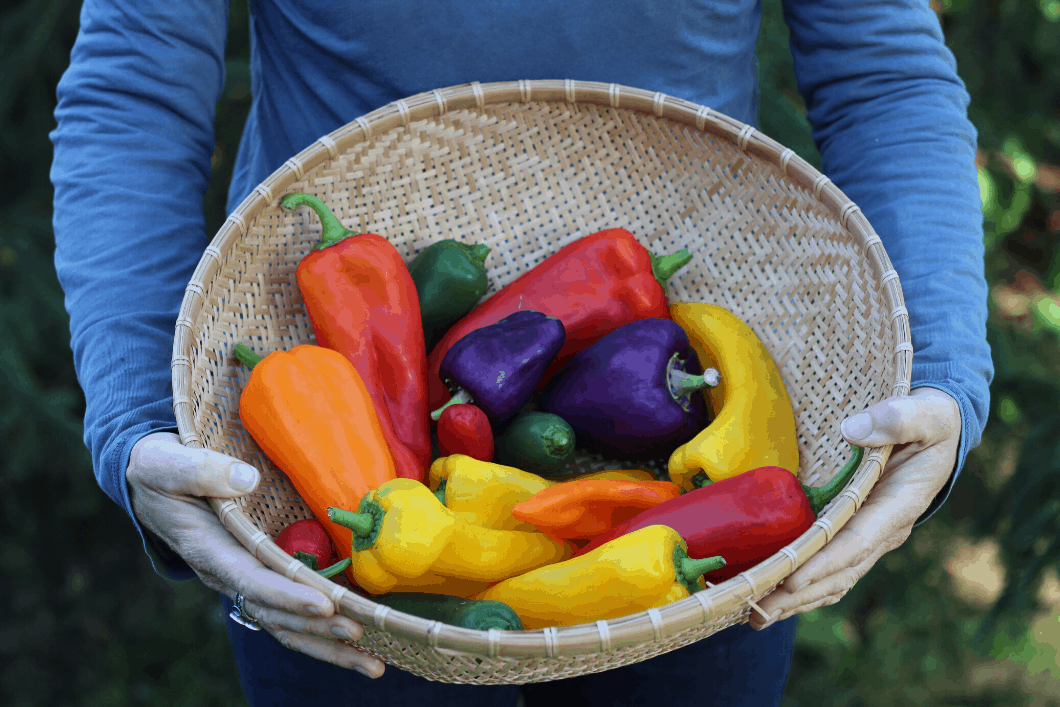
[579,510]
[311,413]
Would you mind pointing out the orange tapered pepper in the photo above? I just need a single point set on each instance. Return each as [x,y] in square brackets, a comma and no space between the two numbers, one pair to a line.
[579,510]
[311,413]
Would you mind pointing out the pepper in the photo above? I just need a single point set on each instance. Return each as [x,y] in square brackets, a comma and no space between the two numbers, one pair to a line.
[593,285]
[363,303]
[307,540]
[579,510]
[745,518]
[465,429]
[497,367]
[538,442]
[636,572]
[465,613]
[402,531]
[450,279]
[632,394]
[754,423]
[312,415]
[484,494]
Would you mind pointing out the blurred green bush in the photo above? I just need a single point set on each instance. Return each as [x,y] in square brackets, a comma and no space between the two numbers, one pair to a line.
[965,613]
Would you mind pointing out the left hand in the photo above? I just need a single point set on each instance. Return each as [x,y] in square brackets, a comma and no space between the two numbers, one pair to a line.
[925,428]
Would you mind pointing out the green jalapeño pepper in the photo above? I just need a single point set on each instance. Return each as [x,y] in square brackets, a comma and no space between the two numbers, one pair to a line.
[450,279]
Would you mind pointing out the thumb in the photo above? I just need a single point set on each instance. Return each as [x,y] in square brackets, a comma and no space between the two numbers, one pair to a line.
[901,419]
[162,462]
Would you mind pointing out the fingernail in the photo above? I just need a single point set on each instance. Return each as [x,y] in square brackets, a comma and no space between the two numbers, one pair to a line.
[362,671]
[858,427]
[314,610]
[772,619]
[242,477]
[342,633]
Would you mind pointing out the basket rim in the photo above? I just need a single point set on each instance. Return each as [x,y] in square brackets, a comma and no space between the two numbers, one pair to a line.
[735,597]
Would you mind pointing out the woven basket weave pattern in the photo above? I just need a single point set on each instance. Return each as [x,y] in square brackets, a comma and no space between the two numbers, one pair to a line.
[771,240]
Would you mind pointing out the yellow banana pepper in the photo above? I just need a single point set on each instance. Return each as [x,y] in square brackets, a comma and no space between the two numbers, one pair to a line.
[647,568]
[402,534]
[754,423]
[484,493]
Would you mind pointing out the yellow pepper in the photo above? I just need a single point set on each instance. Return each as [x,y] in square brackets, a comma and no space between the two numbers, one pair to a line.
[403,534]
[754,423]
[647,568]
[483,493]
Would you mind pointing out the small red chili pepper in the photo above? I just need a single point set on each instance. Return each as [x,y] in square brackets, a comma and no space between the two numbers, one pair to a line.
[745,518]
[308,541]
[465,429]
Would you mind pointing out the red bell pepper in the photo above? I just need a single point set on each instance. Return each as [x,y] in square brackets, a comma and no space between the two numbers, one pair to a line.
[465,429]
[745,518]
[363,303]
[594,285]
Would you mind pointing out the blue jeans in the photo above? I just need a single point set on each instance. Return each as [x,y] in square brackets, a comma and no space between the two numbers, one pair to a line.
[736,667]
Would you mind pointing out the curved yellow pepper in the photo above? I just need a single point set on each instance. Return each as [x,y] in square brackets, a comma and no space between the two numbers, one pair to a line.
[484,493]
[754,423]
[645,569]
[403,534]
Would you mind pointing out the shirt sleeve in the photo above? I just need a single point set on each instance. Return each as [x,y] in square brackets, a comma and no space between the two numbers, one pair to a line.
[131,162]
[889,117]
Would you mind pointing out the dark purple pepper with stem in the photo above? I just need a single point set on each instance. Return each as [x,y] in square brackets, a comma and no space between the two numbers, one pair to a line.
[498,367]
[633,394]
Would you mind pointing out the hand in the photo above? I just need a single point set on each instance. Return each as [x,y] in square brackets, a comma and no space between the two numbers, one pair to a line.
[166,484]
[925,428]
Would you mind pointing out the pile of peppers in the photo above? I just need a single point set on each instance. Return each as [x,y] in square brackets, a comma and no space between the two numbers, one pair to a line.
[432,434]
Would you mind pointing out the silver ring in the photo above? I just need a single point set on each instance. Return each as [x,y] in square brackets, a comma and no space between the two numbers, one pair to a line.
[241,617]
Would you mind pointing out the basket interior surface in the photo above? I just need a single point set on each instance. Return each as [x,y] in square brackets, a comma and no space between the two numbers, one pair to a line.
[526,178]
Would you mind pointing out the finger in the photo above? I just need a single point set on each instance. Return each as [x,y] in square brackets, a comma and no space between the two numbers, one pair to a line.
[926,416]
[783,602]
[333,652]
[225,565]
[880,526]
[163,463]
[337,627]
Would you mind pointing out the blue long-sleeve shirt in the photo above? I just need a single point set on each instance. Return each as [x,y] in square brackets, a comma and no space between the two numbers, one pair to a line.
[134,140]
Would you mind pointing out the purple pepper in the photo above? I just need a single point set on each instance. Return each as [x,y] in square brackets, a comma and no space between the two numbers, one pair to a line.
[632,393]
[498,367]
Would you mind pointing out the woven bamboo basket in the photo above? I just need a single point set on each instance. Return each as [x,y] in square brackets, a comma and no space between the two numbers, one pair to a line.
[526,167]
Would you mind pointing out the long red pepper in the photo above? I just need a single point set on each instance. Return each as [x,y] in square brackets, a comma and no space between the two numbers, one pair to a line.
[594,285]
[745,518]
[363,303]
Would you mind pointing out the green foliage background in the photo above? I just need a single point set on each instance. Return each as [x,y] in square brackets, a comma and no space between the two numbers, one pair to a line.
[87,622]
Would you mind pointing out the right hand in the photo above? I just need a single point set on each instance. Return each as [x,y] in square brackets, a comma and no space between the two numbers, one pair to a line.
[167,485]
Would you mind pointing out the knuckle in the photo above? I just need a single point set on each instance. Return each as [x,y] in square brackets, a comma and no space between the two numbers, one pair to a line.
[286,639]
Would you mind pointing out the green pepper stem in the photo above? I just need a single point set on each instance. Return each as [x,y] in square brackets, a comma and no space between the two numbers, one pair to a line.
[477,253]
[698,568]
[440,491]
[307,559]
[335,568]
[332,230]
[682,383]
[664,266]
[360,523]
[821,496]
[461,397]
[688,571]
[245,356]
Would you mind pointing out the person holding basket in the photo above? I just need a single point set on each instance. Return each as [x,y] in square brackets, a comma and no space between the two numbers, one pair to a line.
[132,155]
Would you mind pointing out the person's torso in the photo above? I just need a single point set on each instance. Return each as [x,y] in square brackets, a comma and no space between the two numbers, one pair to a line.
[318,65]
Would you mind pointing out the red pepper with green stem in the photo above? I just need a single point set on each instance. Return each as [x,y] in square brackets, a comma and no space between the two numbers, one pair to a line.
[363,303]
[594,285]
[746,518]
